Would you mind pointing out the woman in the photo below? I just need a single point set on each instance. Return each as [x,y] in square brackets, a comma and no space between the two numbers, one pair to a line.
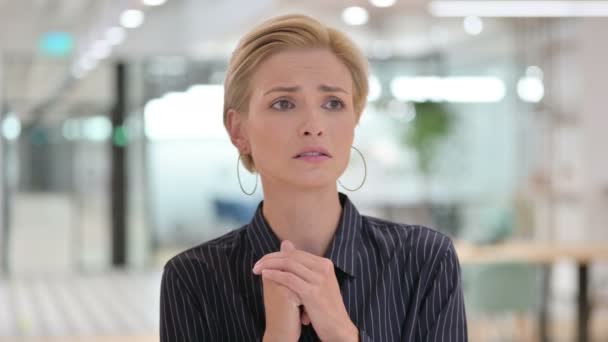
[308,266]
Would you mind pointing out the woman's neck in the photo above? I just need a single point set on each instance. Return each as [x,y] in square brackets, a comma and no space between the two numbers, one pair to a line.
[309,219]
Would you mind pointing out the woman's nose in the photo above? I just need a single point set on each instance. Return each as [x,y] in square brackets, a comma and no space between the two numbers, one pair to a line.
[313,125]
[314,132]
[312,129]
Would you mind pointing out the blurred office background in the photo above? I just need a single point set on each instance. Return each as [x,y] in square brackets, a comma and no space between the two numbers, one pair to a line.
[486,120]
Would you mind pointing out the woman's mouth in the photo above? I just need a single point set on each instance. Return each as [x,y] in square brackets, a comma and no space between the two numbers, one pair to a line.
[312,157]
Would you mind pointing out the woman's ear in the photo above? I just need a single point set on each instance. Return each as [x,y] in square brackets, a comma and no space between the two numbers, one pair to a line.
[236,129]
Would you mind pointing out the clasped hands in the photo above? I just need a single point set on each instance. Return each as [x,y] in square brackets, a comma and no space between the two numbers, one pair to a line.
[292,279]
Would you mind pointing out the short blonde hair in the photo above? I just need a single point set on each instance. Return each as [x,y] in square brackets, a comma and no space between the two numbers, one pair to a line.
[276,35]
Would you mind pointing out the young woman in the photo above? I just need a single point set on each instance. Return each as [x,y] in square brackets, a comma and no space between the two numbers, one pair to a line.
[308,266]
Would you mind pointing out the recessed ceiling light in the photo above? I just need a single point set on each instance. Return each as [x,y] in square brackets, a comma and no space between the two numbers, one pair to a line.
[383,3]
[116,35]
[355,15]
[132,18]
[101,49]
[153,2]
[473,25]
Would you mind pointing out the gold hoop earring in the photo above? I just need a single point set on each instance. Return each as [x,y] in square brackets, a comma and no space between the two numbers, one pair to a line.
[238,176]
[364,175]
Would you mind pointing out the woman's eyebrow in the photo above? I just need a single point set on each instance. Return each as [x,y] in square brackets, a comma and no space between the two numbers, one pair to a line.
[283,90]
[331,89]
[322,87]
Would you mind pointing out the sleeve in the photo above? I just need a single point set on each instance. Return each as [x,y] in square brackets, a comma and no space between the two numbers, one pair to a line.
[183,317]
[442,316]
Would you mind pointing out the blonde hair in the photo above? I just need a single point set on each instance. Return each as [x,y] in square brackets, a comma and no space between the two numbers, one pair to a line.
[276,35]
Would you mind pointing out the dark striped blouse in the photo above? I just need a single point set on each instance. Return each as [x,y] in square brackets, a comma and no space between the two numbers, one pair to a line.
[399,282]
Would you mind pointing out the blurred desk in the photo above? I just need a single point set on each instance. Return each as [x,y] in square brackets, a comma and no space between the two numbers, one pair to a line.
[546,253]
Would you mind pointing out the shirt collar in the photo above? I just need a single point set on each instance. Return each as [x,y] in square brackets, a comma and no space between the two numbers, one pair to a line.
[341,251]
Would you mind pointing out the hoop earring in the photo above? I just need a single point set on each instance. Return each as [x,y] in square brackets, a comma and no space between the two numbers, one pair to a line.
[364,175]
[238,176]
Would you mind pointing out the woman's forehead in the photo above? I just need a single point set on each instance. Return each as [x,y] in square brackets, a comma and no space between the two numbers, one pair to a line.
[303,68]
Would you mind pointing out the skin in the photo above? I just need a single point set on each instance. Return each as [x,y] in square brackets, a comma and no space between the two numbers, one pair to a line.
[300,97]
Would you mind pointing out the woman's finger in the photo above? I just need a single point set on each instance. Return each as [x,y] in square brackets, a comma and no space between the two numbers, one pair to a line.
[288,265]
[311,261]
[289,280]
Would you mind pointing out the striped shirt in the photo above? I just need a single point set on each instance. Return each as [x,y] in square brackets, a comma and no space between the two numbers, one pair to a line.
[399,282]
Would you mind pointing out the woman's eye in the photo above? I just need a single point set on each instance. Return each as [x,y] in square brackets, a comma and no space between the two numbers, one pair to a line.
[282,105]
[334,104]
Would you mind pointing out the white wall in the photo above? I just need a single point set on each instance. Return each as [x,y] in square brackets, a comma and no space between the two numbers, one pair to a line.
[593,57]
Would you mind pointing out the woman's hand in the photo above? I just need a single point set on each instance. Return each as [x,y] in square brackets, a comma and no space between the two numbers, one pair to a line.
[283,315]
[313,280]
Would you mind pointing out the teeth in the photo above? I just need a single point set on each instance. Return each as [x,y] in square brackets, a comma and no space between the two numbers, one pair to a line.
[311,154]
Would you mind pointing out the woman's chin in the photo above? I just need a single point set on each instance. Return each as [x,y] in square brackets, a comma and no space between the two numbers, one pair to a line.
[315,183]
[305,179]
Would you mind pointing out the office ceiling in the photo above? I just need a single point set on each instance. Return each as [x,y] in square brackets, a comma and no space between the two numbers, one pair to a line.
[194,28]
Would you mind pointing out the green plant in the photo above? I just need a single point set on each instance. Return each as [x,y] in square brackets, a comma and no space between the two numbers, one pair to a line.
[426,131]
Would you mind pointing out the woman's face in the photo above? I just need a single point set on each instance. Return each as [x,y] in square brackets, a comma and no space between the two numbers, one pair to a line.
[301,100]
